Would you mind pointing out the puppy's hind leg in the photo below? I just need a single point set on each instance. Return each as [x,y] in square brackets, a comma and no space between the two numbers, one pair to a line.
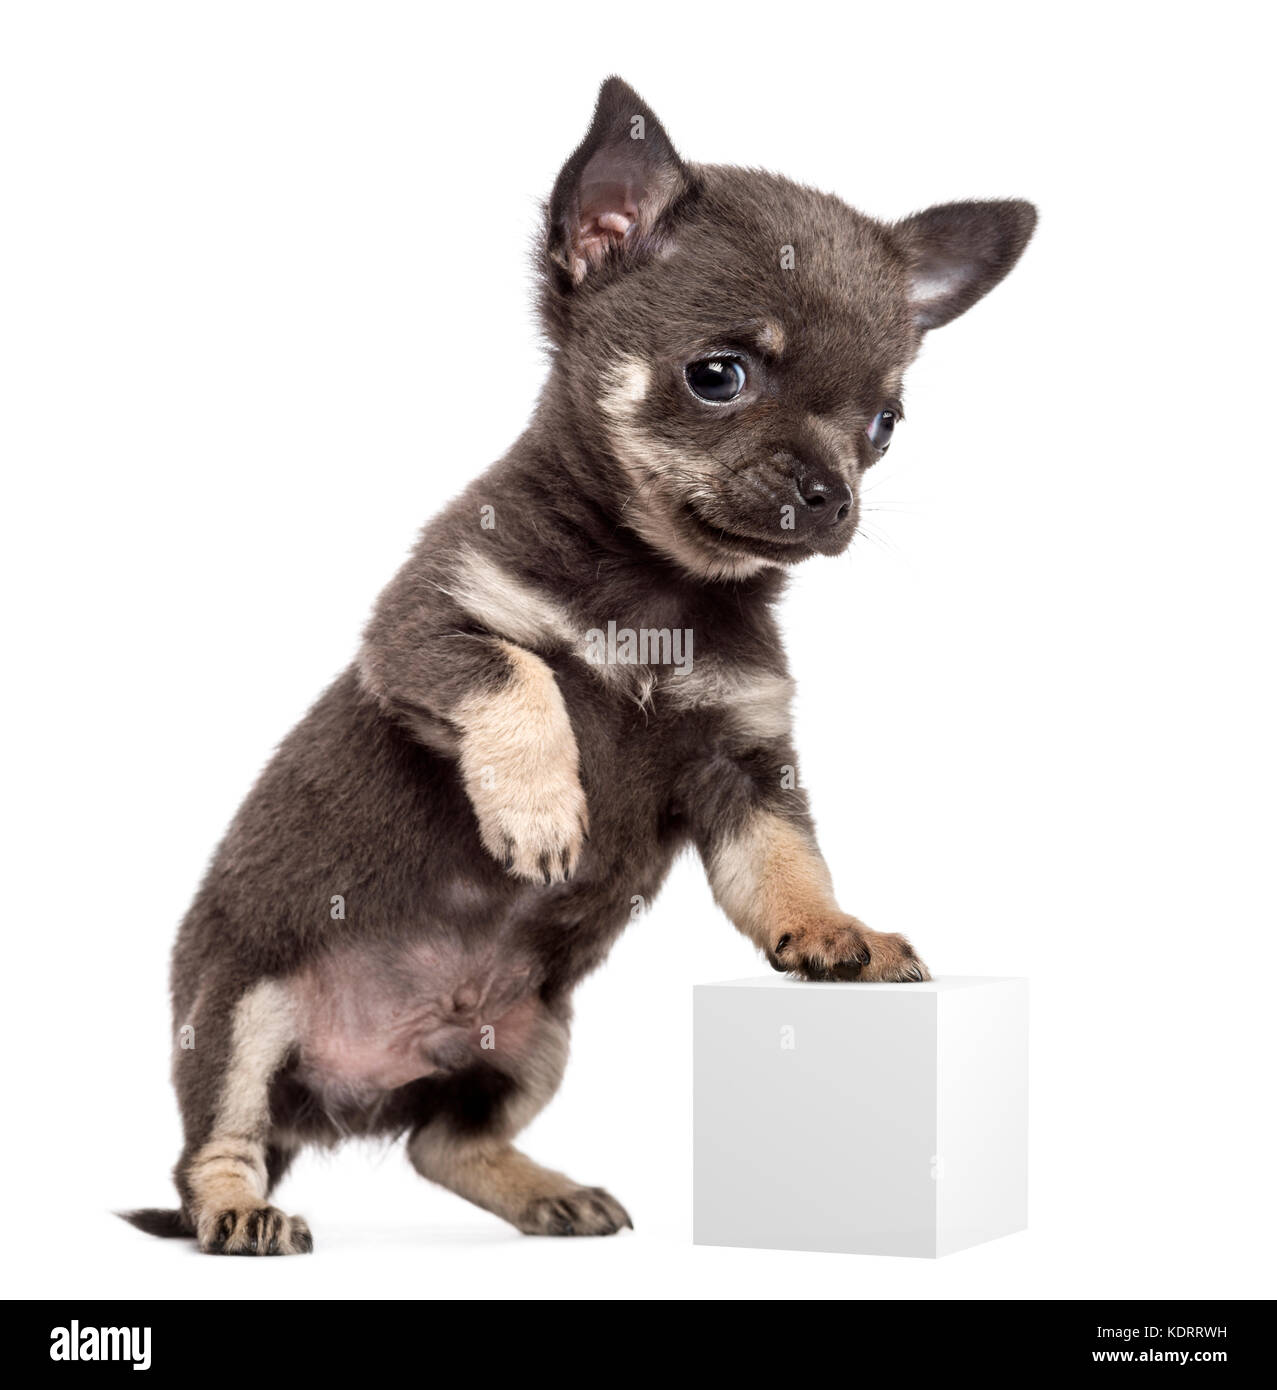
[226,1175]
[465,1145]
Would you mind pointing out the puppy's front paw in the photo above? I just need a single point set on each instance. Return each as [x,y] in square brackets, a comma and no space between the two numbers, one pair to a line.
[536,831]
[584,1211]
[254,1231]
[845,949]
[519,762]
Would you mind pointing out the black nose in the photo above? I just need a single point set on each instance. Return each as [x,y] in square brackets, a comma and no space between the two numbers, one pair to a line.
[826,498]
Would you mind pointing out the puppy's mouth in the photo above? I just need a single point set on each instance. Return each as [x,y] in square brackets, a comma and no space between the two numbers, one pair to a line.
[779,550]
[723,535]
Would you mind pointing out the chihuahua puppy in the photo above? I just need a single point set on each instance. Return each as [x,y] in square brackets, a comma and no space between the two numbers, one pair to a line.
[575,675]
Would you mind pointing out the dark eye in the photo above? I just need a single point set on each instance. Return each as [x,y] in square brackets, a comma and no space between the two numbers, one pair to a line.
[716,379]
[880,430]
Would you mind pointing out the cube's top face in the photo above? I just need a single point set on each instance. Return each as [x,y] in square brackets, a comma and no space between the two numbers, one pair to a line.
[942,984]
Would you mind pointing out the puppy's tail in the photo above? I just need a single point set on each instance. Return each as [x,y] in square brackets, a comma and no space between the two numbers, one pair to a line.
[156,1221]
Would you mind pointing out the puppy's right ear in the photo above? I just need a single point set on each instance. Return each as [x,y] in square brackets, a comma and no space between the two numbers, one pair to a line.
[958,252]
[611,198]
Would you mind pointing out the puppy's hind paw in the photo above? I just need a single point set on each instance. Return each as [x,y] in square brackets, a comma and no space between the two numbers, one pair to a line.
[584,1211]
[255,1231]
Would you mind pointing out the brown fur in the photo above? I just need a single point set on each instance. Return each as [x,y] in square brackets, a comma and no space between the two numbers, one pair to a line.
[388,938]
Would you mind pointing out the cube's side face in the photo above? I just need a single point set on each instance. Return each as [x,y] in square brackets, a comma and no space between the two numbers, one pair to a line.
[983,1114]
[815,1119]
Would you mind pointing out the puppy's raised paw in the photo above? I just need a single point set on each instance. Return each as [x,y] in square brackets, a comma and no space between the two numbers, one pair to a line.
[845,949]
[583,1211]
[255,1231]
[540,836]
[519,763]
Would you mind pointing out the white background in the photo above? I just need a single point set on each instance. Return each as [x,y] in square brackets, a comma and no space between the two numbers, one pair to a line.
[265,306]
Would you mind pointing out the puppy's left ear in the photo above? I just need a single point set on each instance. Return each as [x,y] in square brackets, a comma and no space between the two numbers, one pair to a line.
[957,252]
[614,192]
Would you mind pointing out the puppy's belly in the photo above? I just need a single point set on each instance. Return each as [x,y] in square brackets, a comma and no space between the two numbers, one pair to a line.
[374,1018]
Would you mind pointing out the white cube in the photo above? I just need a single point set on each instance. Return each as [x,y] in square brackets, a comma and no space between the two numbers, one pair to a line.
[872,1119]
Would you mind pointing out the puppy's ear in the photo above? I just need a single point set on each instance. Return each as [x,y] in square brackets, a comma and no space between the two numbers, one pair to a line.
[957,252]
[612,195]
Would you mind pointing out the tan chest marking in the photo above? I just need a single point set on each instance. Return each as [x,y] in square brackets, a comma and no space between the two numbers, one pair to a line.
[756,702]
[506,604]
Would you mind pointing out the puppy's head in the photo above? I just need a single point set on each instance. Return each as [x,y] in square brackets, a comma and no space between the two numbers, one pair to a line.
[741,339]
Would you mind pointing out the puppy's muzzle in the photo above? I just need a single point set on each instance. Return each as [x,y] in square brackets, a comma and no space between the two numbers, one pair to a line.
[824,499]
